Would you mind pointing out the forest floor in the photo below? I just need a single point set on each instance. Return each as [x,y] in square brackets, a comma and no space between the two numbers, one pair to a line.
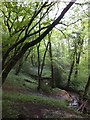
[21,102]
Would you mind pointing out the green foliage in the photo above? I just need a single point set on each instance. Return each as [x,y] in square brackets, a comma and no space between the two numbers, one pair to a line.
[46,88]
[28,69]
[18,80]
[33,70]
[58,76]
[76,85]
[46,72]
[69,33]
[63,40]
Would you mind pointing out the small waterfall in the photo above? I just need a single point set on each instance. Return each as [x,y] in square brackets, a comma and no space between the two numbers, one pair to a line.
[73,103]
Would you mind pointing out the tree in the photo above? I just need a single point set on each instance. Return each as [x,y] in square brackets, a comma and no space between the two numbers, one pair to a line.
[38,52]
[88,82]
[51,61]
[20,63]
[78,46]
[87,87]
[11,63]
[80,41]
[72,64]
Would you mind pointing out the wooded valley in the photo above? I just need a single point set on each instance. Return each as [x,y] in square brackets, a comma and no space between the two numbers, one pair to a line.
[45,54]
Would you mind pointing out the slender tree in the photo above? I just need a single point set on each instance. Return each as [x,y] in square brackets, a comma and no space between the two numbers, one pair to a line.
[78,53]
[51,61]
[72,65]
[42,66]
[38,52]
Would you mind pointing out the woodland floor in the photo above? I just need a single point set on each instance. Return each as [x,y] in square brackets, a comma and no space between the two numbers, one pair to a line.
[27,110]
[22,101]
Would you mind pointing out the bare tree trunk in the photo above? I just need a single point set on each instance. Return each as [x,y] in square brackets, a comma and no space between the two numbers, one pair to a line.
[77,64]
[72,65]
[70,73]
[52,71]
[78,55]
[43,62]
[39,79]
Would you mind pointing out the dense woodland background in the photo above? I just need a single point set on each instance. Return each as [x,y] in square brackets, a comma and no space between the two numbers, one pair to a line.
[45,45]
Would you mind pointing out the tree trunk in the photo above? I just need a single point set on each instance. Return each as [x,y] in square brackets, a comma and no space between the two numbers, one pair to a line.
[70,73]
[25,37]
[52,72]
[87,86]
[38,52]
[19,66]
[12,62]
[39,79]
[77,64]
[72,65]
[78,55]
[15,58]
[43,62]
[32,60]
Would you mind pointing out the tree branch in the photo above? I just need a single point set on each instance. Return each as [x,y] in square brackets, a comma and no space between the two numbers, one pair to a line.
[61,31]
[15,58]
[70,23]
[40,19]
[34,16]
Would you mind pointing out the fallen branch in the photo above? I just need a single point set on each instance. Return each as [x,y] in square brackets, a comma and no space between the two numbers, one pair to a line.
[82,106]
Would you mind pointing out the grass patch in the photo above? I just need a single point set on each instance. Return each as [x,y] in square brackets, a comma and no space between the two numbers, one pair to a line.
[31,86]
[8,109]
[34,99]
[10,101]
[18,80]
[14,80]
